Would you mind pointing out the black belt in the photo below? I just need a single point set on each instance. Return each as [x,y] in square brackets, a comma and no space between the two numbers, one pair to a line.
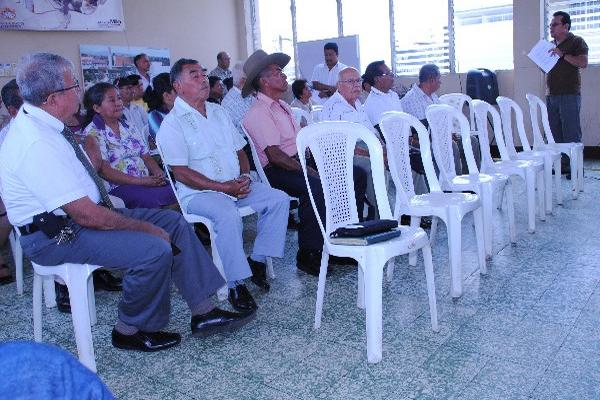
[32,228]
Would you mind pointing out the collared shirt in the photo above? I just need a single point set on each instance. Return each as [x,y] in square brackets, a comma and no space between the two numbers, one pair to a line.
[271,123]
[322,73]
[306,107]
[4,131]
[39,170]
[379,102]
[208,145]
[220,72]
[138,117]
[336,108]
[145,82]
[415,102]
[237,107]
[565,78]
[124,153]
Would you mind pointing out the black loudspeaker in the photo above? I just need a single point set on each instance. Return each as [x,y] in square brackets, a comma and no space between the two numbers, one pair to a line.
[483,85]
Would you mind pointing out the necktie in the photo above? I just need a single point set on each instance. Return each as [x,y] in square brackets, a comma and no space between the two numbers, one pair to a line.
[88,167]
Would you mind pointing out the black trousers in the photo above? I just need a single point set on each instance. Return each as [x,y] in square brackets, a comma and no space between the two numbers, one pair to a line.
[293,183]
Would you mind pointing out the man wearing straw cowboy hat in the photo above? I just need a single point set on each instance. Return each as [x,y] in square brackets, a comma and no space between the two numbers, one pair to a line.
[272,127]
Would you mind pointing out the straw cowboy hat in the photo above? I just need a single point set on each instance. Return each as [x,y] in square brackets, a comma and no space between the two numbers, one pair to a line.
[258,61]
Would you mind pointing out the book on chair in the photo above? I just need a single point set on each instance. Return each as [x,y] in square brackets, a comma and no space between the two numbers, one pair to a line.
[365,233]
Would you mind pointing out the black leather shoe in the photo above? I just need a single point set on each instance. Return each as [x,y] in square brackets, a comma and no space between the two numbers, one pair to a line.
[219,321]
[104,280]
[309,261]
[145,341]
[259,274]
[241,299]
[63,303]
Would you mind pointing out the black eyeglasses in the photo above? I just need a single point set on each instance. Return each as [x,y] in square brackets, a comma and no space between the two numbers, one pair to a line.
[75,86]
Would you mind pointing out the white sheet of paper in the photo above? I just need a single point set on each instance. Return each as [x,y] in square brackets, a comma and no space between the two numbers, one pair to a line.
[539,55]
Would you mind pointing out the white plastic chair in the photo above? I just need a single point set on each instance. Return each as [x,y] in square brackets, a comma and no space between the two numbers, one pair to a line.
[194,219]
[440,118]
[449,207]
[299,114]
[17,253]
[551,158]
[531,171]
[458,100]
[316,112]
[83,304]
[573,150]
[332,146]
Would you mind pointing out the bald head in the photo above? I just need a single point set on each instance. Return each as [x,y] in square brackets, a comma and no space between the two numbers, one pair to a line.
[349,84]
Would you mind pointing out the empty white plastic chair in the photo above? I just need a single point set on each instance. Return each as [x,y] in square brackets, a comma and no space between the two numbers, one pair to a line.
[551,158]
[458,101]
[531,171]
[573,150]
[449,207]
[440,118]
[332,146]
[83,305]
[194,219]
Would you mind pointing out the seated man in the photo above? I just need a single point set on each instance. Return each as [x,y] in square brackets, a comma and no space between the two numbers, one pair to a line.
[205,153]
[216,89]
[422,95]
[271,124]
[42,169]
[345,106]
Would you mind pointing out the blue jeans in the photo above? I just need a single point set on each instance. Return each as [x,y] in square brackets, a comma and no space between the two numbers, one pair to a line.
[563,115]
[40,371]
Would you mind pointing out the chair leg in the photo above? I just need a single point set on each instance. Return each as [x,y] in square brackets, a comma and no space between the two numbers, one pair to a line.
[488,221]
[77,282]
[542,188]
[321,288]
[415,222]
[574,162]
[530,186]
[580,170]
[37,306]
[548,185]
[511,212]
[49,291]
[91,300]
[18,258]
[270,270]
[453,223]
[429,277]
[373,302]
[478,217]
[557,178]
[433,231]
[360,298]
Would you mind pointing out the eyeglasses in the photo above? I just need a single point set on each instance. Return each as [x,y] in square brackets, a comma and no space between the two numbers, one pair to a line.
[75,86]
[352,81]
[387,74]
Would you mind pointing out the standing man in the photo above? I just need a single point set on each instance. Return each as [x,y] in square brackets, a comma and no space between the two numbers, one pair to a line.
[42,169]
[325,76]
[222,70]
[205,152]
[564,83]
[142,64]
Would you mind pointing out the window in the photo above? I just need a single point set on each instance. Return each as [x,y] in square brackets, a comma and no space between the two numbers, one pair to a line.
[275,21]
[483,36]
[585,22]
[371,22]
[419,42]
[320,16]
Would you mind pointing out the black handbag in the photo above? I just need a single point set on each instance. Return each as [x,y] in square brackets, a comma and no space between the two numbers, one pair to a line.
[365,228]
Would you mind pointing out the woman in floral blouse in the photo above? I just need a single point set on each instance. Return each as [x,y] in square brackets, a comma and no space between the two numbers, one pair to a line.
[127,166]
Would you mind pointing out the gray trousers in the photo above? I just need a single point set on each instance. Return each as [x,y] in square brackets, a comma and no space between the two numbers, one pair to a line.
[272,207]
[146,260]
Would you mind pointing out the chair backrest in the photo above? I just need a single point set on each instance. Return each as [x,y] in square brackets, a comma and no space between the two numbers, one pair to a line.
[299,114]
[507,106]
[482,109]
[536,103]
[316,112]
[458,100]
[441,118]
[396,129]
[259,169]
[332,146]
[170,178]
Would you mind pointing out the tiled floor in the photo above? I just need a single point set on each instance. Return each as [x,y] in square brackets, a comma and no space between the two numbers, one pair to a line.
[528,329]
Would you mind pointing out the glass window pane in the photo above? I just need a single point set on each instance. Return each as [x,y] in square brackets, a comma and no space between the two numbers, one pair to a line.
[419,43]
[316,19]
[483,35]
[585,22]
[372,25]
[275,19]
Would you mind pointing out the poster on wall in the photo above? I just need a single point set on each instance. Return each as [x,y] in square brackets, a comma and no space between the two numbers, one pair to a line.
[62,15]
[106,63]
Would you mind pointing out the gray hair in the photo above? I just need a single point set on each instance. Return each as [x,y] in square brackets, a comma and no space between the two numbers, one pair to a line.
[41,74]
[237,73]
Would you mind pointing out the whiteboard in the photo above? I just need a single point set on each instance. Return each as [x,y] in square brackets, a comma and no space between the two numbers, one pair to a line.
[311,54]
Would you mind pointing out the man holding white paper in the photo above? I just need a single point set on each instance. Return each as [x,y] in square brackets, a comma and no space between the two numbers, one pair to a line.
[564,82]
